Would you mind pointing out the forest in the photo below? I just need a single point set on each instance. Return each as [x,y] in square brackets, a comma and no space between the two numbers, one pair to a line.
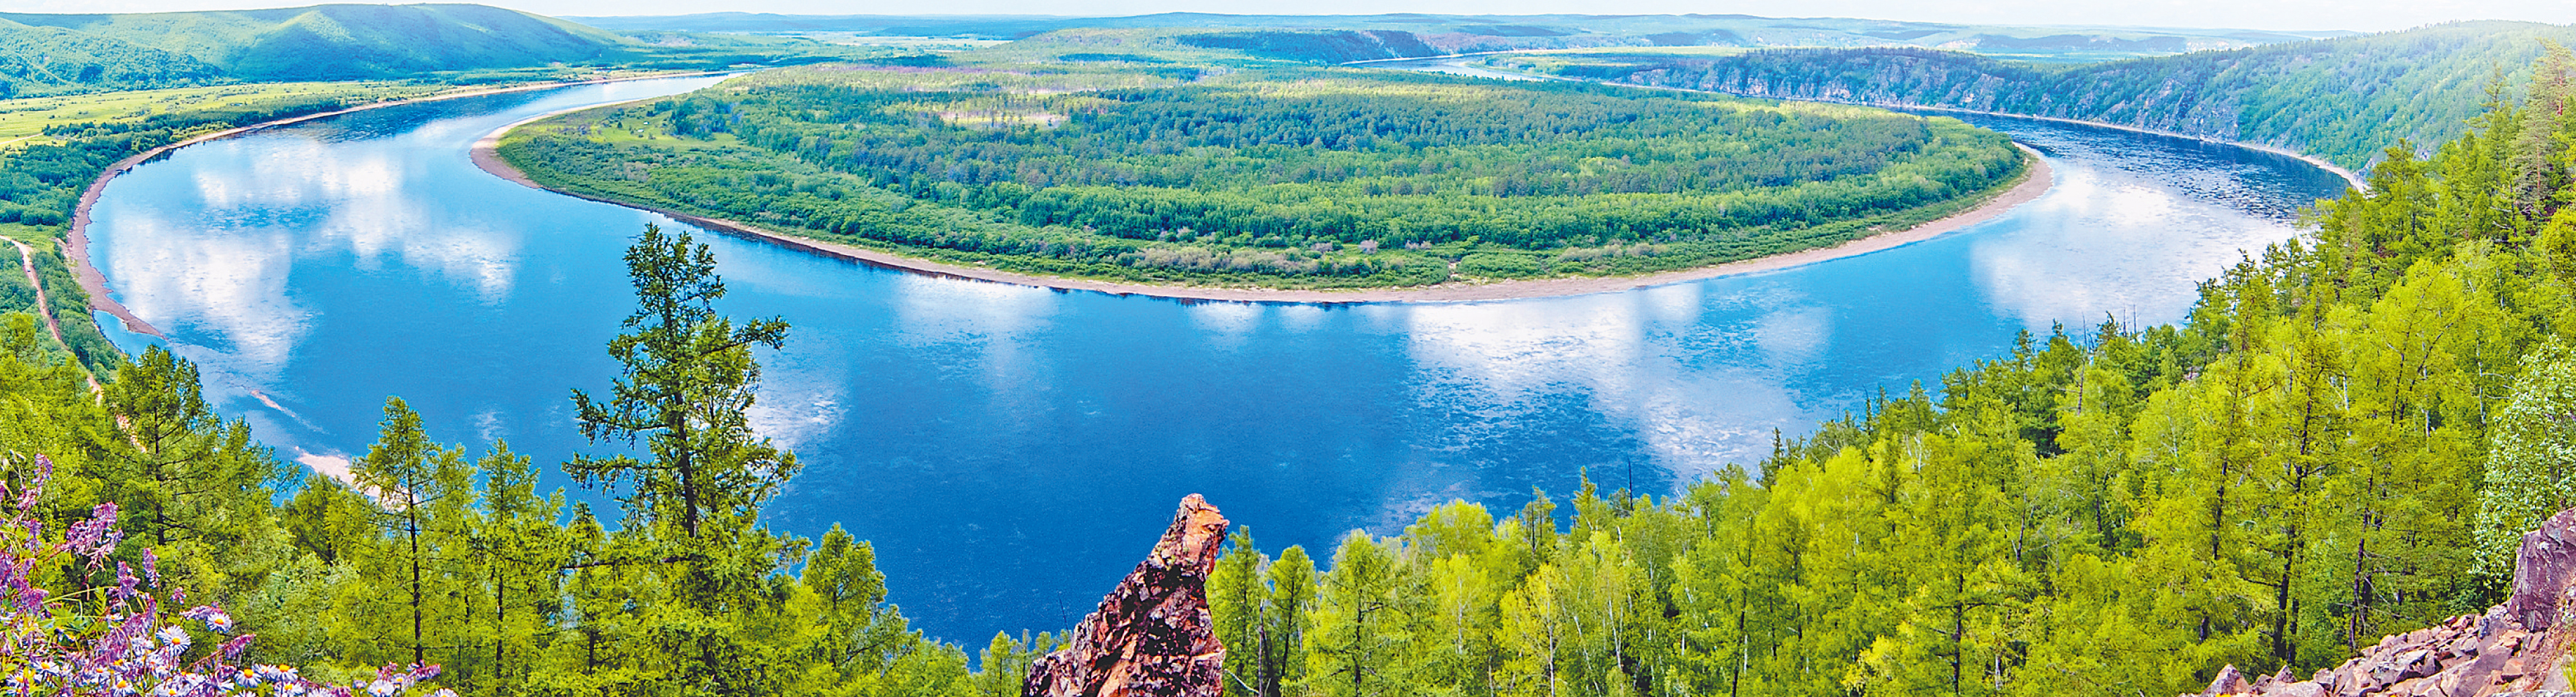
[2345,440]
[2341,441]
[1284,176]
[2343,100]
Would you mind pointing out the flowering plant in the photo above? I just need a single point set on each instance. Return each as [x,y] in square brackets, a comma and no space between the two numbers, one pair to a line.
[115,640]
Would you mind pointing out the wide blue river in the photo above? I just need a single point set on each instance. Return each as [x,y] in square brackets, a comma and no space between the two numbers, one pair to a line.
[1011,450]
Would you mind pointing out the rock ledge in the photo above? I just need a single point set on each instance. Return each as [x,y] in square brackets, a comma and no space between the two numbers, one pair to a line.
[1152,636]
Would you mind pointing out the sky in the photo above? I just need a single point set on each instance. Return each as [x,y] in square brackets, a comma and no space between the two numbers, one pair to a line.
[2357,15]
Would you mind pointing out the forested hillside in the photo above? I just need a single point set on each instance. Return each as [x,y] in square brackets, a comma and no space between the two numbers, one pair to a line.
[2339,99]
[2345,440]
[44,54]
[347,42]
[1132,167]
[46,60]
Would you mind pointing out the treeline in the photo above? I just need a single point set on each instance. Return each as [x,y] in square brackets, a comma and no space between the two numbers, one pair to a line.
[1315,172]
[2345,440]
[423,553]
[2343,100]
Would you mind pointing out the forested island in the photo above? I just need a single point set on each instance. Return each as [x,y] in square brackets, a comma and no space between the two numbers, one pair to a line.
[1170,167]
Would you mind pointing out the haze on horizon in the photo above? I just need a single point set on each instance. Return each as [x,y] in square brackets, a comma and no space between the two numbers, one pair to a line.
[2356,15]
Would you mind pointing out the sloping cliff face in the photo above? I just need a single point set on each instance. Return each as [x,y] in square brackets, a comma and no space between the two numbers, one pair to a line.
[2344,100]
[1152,637]
[2519,648]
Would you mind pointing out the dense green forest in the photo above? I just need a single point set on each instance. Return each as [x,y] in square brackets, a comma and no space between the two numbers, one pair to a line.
[2342,99]
[43,60]
[1143,169]
[2345,440]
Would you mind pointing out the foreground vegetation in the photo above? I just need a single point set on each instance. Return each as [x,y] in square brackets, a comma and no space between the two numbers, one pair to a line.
[450,561]
[2345,440]
[1133,167]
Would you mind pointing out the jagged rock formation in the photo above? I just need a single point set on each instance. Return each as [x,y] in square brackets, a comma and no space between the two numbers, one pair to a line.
[2518,649]
[1152,637]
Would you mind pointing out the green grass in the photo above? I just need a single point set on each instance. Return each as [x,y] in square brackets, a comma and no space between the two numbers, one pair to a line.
[23,121]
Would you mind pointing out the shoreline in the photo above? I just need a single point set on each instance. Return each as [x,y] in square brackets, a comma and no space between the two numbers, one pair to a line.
[2034,181]
[2350,177]
[76,238]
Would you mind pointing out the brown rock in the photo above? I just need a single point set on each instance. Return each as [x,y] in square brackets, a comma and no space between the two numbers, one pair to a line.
[2542,569]
[1152,636]
[2229,682]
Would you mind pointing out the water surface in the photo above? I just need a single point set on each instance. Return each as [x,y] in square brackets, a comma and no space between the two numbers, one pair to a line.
[1012,451]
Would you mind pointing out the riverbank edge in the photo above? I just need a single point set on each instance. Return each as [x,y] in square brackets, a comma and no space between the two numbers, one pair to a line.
[2357,181]
[2034,180]
[76,239]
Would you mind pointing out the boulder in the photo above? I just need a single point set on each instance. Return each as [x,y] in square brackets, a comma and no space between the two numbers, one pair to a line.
[2514,650]
[1152,636]
[2542,569]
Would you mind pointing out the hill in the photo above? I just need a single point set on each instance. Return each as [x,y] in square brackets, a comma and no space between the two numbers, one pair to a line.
[46,60]
[345,42]
[1451,34]
[2342,99]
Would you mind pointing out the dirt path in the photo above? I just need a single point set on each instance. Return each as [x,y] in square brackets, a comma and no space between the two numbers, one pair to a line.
[44,306]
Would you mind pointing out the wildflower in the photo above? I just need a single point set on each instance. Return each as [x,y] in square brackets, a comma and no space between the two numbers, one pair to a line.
[383,688]
[214,617]
[96,536]
[174,637]
[277,674]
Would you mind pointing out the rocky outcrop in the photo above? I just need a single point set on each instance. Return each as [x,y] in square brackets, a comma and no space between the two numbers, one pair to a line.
[2518,649]
[1152,637]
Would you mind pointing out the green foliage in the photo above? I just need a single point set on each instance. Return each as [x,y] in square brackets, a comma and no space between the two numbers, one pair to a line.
[1290,177]
[37,61]
[421,553]
[2340,444]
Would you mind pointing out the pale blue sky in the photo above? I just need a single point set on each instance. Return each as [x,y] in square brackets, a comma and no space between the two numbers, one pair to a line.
[2363,15]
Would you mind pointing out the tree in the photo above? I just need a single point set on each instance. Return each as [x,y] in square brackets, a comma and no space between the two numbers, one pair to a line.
[2531,466]
[688,379]
[422,490]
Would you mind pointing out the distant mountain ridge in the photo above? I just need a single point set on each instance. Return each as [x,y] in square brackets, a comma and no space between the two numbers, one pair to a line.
[1478,33]
[341,42]
[2344,99]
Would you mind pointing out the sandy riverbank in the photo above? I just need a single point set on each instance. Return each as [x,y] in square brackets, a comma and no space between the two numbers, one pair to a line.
[76,241]
[2033,183]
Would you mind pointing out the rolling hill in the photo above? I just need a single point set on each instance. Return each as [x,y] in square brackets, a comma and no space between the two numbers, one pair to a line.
[340,42]
[2343,99]
[1450,34]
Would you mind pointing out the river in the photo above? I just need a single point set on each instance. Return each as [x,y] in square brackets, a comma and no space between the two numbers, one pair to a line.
[1012,451]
